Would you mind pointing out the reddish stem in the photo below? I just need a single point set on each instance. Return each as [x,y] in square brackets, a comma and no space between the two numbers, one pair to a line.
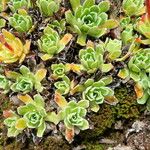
[3,41]
[148,8]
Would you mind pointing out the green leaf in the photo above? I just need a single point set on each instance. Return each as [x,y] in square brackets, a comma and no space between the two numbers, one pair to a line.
[41,129]
[148,105]
[70,18]
[143,99]
[110,24]
[97,32]
[88,83]
[75,4]
[12,132]
[22,110]
[52,117]
[104,6]
[123,73]
[107,80]
[82,39]
[94,107]
[107,67]
[2,23]
[134,76]
[83,103]
[39,100]
[24,70]
[85,125]
[88,3]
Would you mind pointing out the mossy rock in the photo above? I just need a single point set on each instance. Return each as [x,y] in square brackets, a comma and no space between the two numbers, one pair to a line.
[127,107]
[101,120]
[55,143]
[93,146]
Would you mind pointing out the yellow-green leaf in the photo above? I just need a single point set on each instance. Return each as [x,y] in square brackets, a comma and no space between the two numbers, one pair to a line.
[25,98]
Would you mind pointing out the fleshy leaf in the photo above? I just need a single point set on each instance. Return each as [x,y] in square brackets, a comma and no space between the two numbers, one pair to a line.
[60,100]
[52,117]
[20,124]
[25,98]
[107,67]
[123,73]
[40,74]
[139,90]
[69,135]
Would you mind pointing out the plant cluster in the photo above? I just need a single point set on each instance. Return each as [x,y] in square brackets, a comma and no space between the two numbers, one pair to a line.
[69,65]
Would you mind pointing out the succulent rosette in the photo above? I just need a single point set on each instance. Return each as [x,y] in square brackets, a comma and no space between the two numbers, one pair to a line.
[59,70]
[89,19]
[14,123]
[26,81]
[14,5]
[143,26]
[21,21]
[35,114]
[12,49]
[48,7]
[91,59]
[50,43]
[114,48]
[133,7]
[139,63]
[63,87]
[4,84]
[95,93]
[72,113]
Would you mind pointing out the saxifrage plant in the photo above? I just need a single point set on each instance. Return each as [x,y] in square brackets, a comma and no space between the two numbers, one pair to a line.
[133,7]
[4,84]
[89,19]
[58,70]
[14,5]
[48,7]
[72,114]
[51,43]
[114,47]
[64,86]
[21,21]
[96,92]
[92,59]
[143,26]
[139,63]
[34,113]
[14,123]
[12,49]
[26,81]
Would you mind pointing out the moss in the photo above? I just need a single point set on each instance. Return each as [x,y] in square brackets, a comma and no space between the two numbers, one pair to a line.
[100,120]
[12,145]
[127,106]
[5,103]
[93,146]
[55,143]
